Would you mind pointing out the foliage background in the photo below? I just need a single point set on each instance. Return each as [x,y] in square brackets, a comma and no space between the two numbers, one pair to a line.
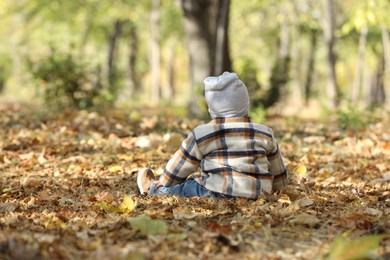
[29,30]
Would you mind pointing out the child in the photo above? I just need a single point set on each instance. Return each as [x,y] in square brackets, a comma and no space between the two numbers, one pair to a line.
[237,158]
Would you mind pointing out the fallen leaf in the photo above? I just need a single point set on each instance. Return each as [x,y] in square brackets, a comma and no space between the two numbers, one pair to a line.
[215,227]
[104,196]
[148,226]
[8,207]
[303,202]
[304,219]
[41,158]
[26,156]
[127,205]
[354,220]
[344,249]
[301,169]
[115,169]
[52,222]
[314,139]
[177,236]
[183,213]
[372,211]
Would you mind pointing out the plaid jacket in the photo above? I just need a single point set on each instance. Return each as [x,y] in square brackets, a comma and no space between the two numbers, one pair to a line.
[236,157]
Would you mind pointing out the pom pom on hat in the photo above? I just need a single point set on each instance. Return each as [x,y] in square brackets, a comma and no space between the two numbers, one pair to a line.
[226,96]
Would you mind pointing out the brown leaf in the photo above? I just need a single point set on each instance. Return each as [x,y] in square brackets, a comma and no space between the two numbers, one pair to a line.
[8,207]
[215,227]
[304,219]
[354,220]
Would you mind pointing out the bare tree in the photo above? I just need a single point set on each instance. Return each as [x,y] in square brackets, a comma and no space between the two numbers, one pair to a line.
[386,54]
[329,28]
[280,70]
[132,77]
[155,52]
[206,30]
[112,46]
[356,87]
[311,65]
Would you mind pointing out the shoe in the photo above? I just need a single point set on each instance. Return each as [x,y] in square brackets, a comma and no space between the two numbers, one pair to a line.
[145,178]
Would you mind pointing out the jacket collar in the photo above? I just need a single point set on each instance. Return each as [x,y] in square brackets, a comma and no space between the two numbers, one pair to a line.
[221,120]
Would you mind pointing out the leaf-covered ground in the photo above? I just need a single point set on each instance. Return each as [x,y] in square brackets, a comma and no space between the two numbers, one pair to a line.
[68,191]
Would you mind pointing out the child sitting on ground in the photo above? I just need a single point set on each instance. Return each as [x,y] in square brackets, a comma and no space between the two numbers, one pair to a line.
[237,158]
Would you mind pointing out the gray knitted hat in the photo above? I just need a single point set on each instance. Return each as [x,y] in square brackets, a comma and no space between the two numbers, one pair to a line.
[226,96]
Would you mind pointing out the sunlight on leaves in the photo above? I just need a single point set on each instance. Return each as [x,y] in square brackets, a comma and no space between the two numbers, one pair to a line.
[148,226]
[344,249]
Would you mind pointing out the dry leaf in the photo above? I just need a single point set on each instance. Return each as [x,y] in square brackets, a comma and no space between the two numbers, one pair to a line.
[41,158]
[373,212]
[303,202]
[183,213]
[8,207]
[304,219]
[26,156]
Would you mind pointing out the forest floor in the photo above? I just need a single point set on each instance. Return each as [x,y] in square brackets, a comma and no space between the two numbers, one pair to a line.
[68,191]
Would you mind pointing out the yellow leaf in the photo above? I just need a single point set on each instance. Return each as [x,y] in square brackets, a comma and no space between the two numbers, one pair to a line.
[127,205]
[125,157]
[53,223]
[115,168]
[107,207]
[301,169]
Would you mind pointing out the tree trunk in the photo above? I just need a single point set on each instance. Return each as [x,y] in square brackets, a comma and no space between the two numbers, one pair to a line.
[329,28]
[222,55]
[2,84]
[18,21]
[357,83]
[133,82]
[155,52]
[377,94]
[112,44]
[170,88]
[311,65]
[206,30]
[386,54]
[280,70]
[298,92]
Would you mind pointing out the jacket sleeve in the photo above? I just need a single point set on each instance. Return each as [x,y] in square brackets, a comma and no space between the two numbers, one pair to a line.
[277,168]
[184,162]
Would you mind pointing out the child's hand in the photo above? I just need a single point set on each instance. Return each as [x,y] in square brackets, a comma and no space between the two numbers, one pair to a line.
[158,185]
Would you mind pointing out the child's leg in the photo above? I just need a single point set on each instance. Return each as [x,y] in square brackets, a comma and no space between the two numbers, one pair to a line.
[189,188]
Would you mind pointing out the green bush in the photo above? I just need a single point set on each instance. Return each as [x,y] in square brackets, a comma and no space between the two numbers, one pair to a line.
[351,117]
[66,81]
[248,75]
[258,114]
[5,70]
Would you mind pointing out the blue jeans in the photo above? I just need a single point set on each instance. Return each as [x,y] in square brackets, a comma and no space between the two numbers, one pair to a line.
[189,188]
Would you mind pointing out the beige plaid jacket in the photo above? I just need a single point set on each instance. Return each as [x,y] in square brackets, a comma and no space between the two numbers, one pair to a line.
[236,157]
